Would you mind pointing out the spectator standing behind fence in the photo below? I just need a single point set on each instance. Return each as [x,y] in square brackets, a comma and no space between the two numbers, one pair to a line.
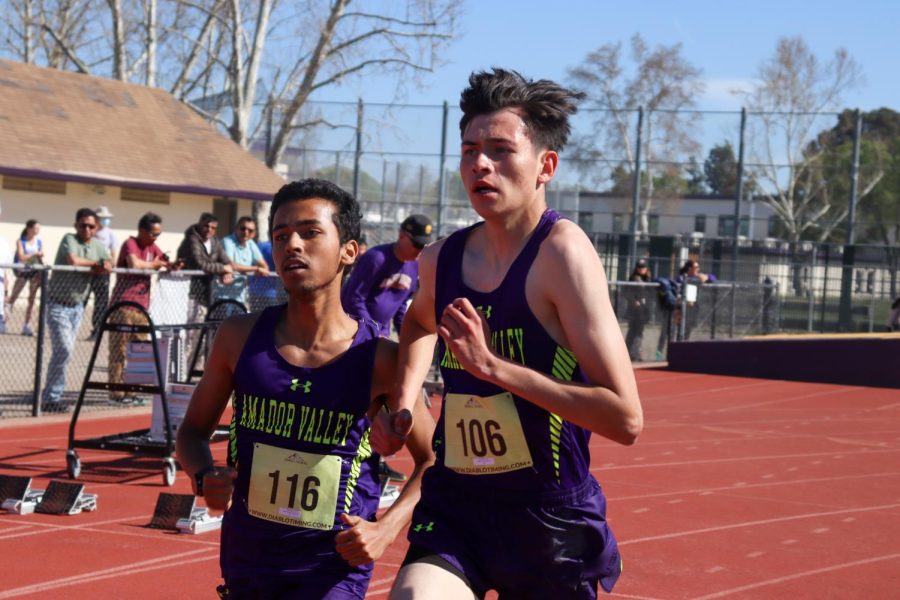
[138,252]
[266,291]
[638,310]
[5,258]
[67,292]
[386,276]
[894,317]
[690,274]
[100,285]
[242,250]
[29,252]
[201,250]
[382,282]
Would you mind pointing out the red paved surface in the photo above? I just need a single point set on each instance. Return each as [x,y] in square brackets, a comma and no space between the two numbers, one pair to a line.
[741,488]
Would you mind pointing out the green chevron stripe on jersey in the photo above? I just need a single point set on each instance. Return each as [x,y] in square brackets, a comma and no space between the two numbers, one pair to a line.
[363,452]
[564,364]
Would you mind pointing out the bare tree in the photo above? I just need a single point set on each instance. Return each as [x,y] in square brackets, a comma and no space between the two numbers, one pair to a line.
[217,52]
[786,106]
[663,81]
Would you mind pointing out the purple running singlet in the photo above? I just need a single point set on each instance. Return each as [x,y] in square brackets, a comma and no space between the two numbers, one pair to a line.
[300,443]
[499,450]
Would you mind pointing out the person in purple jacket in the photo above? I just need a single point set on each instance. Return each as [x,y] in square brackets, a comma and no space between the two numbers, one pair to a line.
[533,362]
[301,487]
[386,276]
[383,280]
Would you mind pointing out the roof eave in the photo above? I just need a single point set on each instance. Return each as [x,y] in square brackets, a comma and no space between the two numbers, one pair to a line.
[148,185]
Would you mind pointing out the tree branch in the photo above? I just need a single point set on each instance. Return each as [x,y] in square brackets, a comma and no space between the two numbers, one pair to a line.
[65,48]
[366,63]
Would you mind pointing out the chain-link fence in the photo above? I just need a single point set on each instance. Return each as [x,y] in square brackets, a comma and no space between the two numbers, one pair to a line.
[48,357]
[80,331]
[794,180]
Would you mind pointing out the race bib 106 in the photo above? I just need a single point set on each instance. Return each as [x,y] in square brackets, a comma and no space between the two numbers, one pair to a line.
[484,435]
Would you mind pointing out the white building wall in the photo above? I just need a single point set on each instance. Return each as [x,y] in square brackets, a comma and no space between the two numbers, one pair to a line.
[56,214]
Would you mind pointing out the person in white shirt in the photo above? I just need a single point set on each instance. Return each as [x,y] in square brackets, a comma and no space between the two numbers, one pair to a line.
[100,285]
[5,259]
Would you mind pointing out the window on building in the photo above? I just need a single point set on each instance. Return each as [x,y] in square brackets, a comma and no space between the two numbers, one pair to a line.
[225,210]
[619,223]
[772,230]
[700,223]
[653,224]
[726,226]
[586,221]
[30,184]
[143,195]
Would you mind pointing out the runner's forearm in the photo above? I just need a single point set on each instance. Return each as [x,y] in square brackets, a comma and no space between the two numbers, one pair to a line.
[617,417]
[413,362]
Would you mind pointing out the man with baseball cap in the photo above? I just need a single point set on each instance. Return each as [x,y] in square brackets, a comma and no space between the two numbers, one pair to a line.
[386,276]
[382,282]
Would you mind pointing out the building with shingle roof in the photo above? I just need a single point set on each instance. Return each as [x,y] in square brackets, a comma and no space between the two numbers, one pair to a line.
[69,140]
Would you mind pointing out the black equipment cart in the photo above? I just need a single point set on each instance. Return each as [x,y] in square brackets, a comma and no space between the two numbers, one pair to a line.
[141,440]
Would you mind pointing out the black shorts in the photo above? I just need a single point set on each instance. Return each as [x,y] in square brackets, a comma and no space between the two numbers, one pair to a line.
[26,273]
[554,545]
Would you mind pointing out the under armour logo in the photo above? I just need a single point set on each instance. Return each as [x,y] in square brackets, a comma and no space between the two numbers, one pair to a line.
[420,527]
[295,383]
[485,310]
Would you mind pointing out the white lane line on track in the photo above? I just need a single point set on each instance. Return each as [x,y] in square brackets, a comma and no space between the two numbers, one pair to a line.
[51,527]
[738,436]
[120,571]
[139,532]
[15,528]
[768,484]
[743,458]
[800,575]
[678,534]
[832,392]
[708,391]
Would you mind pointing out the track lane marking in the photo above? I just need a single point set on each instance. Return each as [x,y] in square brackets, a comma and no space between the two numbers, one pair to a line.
[678,534]
[775,580]
[119,571]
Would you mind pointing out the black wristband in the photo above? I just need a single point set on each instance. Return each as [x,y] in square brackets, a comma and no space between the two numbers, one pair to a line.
[198,479]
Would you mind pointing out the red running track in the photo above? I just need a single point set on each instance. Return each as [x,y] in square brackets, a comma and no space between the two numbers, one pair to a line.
[738,488]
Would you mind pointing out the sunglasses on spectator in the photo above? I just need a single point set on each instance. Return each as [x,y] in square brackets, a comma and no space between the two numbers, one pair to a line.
[247,229]
[86,226]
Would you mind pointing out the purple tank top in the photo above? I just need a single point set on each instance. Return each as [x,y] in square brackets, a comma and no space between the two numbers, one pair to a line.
[297,415]
[558,449]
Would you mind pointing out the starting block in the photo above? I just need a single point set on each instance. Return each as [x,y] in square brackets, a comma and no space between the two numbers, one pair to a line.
[389,495]
[66,499]
[17,496]
[180,512]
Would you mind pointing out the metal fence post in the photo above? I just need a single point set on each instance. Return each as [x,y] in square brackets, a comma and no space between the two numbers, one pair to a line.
[854,179]
[733,309]
[739,193]
[39,353]
[810,293]
[381,203]
[636,189]
[358,154]
[442,178]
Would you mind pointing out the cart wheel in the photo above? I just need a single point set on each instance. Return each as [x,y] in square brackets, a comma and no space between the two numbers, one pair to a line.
[73,464]
[168,472]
